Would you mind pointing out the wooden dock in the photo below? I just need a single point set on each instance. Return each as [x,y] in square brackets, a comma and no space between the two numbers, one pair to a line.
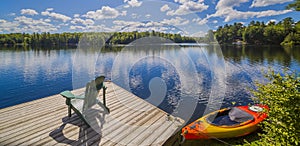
[131,121]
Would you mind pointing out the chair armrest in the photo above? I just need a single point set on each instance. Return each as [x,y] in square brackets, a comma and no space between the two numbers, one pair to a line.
[70,95]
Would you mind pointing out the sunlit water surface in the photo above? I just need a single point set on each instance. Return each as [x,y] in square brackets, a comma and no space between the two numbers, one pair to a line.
[31,74]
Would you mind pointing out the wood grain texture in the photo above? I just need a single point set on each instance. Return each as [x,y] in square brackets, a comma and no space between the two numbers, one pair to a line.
[131,121]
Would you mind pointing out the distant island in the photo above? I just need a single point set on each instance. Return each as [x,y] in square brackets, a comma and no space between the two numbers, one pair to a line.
[285,32]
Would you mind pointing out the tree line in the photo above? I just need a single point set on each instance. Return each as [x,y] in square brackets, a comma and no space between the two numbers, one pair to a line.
[285,32]
[63,39]
[36,39]
[128,37]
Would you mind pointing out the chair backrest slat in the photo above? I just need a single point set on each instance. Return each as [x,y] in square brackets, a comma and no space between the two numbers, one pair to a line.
[92,91]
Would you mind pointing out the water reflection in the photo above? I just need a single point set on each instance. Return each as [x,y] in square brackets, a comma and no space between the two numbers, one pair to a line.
[267,55]
[243,67]
[145,71]
[185,73]
[141,68]
[30,74]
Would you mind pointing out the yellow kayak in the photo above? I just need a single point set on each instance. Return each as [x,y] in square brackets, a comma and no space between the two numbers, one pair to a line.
[226,123]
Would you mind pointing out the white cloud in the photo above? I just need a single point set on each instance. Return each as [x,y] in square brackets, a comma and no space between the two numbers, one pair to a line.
[133,3]
[134,15]
[29,21]
[47,20]
[99,28]
[224,4]
[121,25]
[215,21]
[29,12]
[175,21]
[105,12]
[88,22]
[49,9]
[91,28]
[268,13]
[225,9]
[57,16]
[25,24]
[126,6]
[125,23]
[249,14]
[263,3]
[77,20]
[76,15]
[165,8]
[200,21]
[148,15]
[188,7]
[63,24]
[124,13]
[129,26]
[12,14]
[72,27]
[2,21]
[181,1]
[6,26]
[82,21]
[152,24]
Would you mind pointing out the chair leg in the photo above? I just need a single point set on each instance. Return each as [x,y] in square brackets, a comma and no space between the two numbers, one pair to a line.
[81,116]
[69,110]
[68,102]
[104,100]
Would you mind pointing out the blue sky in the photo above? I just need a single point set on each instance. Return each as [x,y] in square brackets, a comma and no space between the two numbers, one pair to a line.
[191,17]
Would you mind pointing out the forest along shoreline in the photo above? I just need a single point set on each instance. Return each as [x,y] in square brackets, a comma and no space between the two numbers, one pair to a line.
[285,33]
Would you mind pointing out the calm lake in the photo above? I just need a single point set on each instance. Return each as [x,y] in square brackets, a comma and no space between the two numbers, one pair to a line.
[182,75]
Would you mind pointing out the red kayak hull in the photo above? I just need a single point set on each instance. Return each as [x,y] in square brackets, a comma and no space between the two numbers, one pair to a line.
[203,129]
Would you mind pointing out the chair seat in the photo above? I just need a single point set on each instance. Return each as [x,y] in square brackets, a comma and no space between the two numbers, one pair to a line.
[78,104]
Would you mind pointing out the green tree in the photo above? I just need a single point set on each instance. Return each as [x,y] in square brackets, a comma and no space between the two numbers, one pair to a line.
[254,35]
[288,25]
[295,5]
[273,34]
[292,39]
[282,95]
[260,33]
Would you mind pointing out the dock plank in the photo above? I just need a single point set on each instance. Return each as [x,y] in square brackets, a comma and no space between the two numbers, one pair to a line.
[131,121]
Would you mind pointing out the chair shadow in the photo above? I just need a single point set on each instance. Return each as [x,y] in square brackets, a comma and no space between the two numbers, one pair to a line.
[87,135]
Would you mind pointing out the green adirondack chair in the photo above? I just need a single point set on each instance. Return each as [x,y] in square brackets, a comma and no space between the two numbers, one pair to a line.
[81,103]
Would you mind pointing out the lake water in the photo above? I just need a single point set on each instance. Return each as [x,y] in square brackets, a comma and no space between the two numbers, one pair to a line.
[179,79]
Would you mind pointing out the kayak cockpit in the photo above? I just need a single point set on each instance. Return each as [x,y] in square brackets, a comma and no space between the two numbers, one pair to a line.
[231,117]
